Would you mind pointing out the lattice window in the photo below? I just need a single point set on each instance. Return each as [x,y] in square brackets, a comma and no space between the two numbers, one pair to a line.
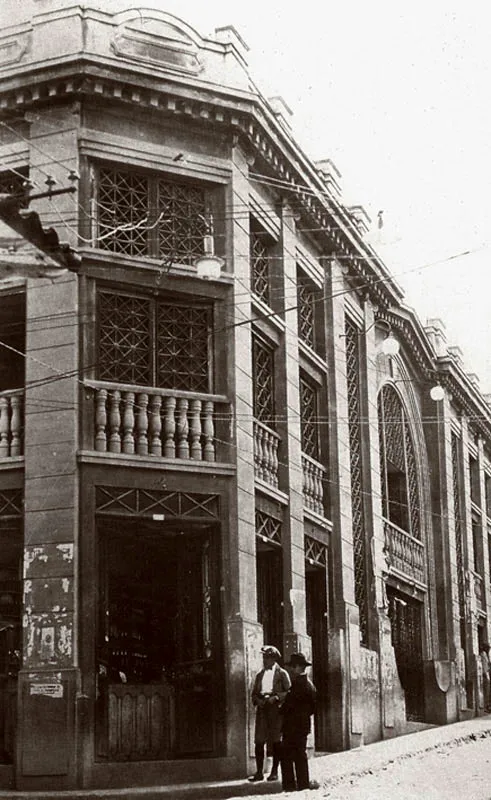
[183,341]
[183,223]
[142,215]
[459,534]
[124,339]
[309,419]
[400,493]
[260,255]
[315,551]
[359,536]
[147,342]
[123,205]
[268,527]
[263,383]
[306,299]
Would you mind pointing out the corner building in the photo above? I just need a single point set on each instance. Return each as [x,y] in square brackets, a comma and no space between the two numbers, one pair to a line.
[190,467]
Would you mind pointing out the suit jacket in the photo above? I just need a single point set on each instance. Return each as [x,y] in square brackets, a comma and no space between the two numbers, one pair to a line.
[298,707]
[268,718]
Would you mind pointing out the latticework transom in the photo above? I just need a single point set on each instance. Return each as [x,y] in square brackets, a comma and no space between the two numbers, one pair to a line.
[260,256]
[315,552]
[412,483]
[183,222]
[306,312]
[263,367]
[359,543]
[124,339]
[123,204]
[268,527]
[309,419]
[183,345]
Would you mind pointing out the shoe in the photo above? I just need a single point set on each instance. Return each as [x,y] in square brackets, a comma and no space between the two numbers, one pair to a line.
[273,776]
[258,776]
[314,785]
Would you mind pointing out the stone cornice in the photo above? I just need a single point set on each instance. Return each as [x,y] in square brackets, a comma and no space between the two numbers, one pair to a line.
[246,114]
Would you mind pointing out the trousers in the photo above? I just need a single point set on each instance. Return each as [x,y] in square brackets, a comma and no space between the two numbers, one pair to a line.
[294,763]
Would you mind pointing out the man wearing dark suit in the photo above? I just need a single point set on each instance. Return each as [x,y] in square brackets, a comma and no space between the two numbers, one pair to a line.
[270,687]
[296,710]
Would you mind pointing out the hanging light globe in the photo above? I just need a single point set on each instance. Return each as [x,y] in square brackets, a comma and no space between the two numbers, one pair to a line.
[437,392]
[390,346]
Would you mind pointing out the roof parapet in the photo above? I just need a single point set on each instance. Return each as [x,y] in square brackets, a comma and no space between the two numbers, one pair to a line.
[437,334]
[330,175]
[360,218]
[281,110]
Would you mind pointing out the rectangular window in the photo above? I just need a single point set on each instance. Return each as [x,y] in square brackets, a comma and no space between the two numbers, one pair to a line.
[263,383]
[261,254]
[154,342]
[12,340]
[144,215]
[306,299]
[309,420]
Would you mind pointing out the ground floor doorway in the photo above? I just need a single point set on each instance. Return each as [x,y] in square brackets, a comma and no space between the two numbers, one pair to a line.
[161,691]
[406,618]
[317,629]
[11,550]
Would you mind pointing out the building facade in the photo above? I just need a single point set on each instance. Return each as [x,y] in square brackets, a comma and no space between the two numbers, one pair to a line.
[191,467]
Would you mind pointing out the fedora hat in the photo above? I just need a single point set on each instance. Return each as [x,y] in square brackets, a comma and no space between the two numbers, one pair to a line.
[298,660]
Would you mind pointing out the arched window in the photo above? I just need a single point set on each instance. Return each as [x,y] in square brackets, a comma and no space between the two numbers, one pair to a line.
[400,496]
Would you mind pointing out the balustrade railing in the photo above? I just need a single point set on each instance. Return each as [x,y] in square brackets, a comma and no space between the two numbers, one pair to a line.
[266,444]
[158,422]
[313,484]
[404,552]
[11,423]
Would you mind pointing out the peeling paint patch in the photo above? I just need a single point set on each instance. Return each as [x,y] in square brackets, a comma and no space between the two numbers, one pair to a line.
[67,551]
[65,640]
[65,585]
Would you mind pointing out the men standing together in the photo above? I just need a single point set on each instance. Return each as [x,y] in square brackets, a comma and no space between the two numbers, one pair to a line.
[283,711]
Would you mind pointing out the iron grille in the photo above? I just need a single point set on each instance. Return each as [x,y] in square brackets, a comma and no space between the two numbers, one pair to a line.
[359,541]
[123,203]
[268,527]
[142,215]
[306,311]
[149,342]
[260,255]
[263,383]
[315,552]
[459,535]
[183,336]
[183,224]
[396,447]
[309,419]
[124,339]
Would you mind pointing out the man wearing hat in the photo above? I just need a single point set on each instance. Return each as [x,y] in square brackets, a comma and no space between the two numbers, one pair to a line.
[296,711]
[270,687]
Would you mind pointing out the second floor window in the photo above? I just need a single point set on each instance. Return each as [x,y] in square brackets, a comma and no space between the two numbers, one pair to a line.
[154,342]
[309,420]
[146,215]
[263,382]
[261,255]
[306,300]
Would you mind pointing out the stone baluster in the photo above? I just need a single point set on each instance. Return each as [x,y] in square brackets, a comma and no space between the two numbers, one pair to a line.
[273,458]
[182,428]
[4,427]
[114,422]
[128,422]
[208,431]
[15,425]
[262,454]
[169,427]
[256,449]
[155,425]
[309,486]
[100,421]
[142,425]
[195,429]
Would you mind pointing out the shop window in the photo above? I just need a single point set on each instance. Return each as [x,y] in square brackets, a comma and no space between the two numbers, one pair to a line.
[154,342]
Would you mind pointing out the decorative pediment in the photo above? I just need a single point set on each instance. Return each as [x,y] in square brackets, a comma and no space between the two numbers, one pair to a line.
[153,38]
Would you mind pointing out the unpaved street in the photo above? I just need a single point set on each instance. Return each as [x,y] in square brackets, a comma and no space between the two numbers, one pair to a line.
[453,771]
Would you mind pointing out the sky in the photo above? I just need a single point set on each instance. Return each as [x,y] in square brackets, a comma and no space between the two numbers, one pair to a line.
[397,95]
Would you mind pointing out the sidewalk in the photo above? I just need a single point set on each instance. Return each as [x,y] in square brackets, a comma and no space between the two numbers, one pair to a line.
[328,770]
